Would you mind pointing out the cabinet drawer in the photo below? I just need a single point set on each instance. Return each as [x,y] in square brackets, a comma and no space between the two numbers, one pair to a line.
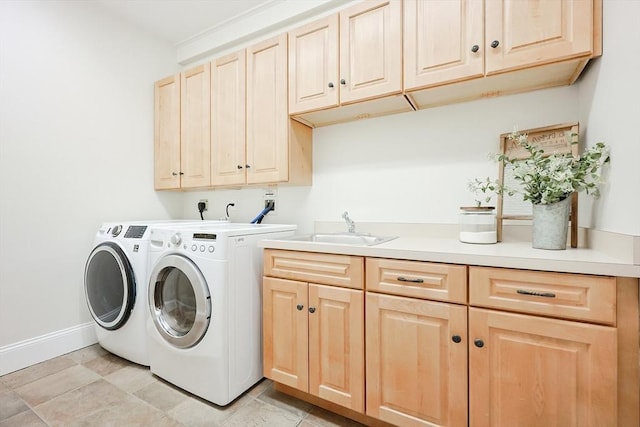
[327,269]
[571,296]
[441,282]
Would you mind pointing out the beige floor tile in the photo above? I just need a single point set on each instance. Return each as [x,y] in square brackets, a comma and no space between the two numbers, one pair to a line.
[199,413]
[132,413]
[10,404]
[257,413]
[47,388]
[86,354]
[81,402]
[259,388]
[131,378]
[162,395]
[318,417]
[35,372]
[106,364]
[284,401]
[24,419]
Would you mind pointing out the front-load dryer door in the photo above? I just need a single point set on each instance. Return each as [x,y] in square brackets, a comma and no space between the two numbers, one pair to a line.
[179,301]
[109,285]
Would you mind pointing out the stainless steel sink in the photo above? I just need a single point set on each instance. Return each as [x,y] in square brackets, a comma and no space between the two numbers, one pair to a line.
[356,239]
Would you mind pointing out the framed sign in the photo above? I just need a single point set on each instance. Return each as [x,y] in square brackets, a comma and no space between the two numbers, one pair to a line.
[552,139]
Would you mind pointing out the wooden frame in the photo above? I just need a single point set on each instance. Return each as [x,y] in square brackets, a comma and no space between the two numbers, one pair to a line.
[553,139]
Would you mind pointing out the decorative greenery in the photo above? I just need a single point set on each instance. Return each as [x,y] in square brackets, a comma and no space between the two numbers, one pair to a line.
[546,179]
[483,191]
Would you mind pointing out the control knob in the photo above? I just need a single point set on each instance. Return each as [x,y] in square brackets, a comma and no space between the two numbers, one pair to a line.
[176,239]
[117,229]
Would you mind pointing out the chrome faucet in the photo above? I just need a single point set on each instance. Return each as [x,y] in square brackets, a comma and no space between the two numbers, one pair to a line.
[350,223]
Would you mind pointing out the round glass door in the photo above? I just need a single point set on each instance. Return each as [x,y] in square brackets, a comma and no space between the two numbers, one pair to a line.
[109,285]
[179,301]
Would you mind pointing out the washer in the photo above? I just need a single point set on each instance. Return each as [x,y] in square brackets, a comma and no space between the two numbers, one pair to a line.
[115,284]
[205,300]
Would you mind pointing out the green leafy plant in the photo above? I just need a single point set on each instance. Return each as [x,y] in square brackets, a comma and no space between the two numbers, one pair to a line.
[546,179]
[483,190]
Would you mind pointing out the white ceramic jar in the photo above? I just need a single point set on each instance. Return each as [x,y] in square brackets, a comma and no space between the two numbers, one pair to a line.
[478,224]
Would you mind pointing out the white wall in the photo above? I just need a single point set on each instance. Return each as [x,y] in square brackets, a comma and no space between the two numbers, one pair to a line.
[609,96]
[414,167]
[76,149]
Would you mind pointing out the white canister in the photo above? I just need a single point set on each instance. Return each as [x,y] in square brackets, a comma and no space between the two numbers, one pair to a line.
[478,224]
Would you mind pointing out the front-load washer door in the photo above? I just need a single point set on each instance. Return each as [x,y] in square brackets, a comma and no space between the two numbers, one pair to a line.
[109,285]
[179,301]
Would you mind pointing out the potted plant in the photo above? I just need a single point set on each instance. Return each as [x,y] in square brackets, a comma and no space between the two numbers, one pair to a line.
[548,181]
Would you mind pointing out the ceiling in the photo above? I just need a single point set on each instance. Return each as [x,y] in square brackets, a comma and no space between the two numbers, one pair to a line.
[176,21]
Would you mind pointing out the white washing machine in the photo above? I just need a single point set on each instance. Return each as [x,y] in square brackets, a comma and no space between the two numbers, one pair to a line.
[205,300]
[115,284]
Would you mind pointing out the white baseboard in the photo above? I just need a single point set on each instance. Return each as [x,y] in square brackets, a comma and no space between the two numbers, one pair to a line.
[20,355]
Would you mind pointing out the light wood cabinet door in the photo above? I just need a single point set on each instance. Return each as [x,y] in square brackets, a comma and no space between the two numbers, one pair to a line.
[526,33]
[443,41]
[167,133]
[228,134]
[532,371]
[370,50]
[267,112]
[416,361]
[285,319]
[195,127]
[336,345]
[313,66]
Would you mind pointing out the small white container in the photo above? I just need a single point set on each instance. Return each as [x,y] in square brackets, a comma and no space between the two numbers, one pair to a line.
[478,224]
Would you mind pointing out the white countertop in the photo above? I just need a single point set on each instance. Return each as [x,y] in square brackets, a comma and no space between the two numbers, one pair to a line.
[504,254]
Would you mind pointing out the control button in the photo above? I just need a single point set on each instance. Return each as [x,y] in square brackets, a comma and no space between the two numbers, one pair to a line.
[194,247]
[211,249]
[117,229]
[201,248]
[176,239]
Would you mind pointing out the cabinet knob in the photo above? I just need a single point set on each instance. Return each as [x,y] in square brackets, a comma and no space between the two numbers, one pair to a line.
[240,166]
[176,174]
[475,48]
[312,310]
[330,84]
[478,343]
[247,166]
[343,82]
[495,43]
[299,307]
[456,339]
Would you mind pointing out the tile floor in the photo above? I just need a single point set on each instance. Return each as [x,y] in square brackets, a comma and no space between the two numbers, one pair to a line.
[91,387]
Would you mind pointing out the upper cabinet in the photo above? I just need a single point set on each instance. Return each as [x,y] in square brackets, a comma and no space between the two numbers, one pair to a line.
[182,130]
[228,120]
[347,66]
[495,47]
[278,150]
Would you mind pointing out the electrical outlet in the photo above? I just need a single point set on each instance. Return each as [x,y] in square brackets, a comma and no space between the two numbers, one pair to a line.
[270,198]
[206,204]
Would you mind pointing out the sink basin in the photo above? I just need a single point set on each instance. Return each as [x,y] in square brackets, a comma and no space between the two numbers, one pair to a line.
[357,239]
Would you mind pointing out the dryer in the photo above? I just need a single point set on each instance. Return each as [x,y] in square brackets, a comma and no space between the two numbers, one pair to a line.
[115,285]
[205,304]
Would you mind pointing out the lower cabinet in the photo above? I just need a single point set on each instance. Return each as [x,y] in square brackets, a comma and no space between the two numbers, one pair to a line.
[314,333]
[532,371]
[451,345]
[416,361]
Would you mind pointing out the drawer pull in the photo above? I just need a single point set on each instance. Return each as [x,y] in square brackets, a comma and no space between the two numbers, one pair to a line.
[536,294]
[404,279]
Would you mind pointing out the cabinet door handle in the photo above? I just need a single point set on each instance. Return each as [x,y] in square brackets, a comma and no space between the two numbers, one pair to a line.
[330,84]
[404,279]
[176,174]
[536,294]
[475,48]
[343,82]
[495,44]
[299,307]
[478,343]
[312,310]
[456,339]
[247,166]
[240,166]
